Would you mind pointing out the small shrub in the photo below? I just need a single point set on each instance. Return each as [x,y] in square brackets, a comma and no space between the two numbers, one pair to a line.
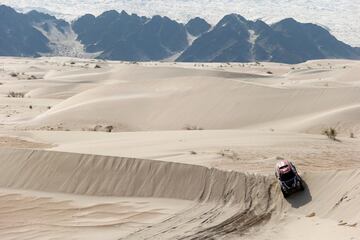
[97,66]
[96,128]
[109,128]
[352,135]
[230,154]
[32,77]
[13,74]
[100,128]
[31,107]
[269,72]
[192,127]
[13,94]
[193,152]
[331,133]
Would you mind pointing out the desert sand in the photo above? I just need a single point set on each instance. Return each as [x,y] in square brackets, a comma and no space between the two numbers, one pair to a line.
[96,149]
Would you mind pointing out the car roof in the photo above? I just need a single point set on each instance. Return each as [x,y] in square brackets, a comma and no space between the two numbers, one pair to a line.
[283,166]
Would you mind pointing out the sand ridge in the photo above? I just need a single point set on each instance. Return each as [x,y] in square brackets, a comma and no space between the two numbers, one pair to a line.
[229,203]
[124,150]
[171,96]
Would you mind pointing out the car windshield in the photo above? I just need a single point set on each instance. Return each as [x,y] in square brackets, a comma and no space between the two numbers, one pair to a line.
[287,176]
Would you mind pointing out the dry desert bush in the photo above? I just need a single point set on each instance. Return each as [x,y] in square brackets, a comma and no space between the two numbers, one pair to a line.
[192,127]
[331,133]
[13,94]
[13,74]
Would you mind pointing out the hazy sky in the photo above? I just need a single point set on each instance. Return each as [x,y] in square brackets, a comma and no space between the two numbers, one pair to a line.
[342,17]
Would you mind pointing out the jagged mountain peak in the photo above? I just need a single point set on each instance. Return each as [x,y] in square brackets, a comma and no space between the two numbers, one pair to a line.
[197,26]
[288,21]
[8,12]
[6,8]
[39,16]
[109,14]
[120,36]
[231,19]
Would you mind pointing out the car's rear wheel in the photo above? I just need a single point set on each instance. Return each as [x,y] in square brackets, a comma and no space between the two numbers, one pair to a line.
[301,186]
[285,194]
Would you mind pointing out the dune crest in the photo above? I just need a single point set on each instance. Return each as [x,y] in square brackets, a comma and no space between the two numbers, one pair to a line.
[241,201]
[124,150]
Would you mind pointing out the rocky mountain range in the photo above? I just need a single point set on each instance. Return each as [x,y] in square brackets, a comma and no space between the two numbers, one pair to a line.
[119,36]
[18,37]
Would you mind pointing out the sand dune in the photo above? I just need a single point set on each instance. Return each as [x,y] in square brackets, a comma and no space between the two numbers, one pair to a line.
[305,98]
[190,154]
[228,203]
[37,215]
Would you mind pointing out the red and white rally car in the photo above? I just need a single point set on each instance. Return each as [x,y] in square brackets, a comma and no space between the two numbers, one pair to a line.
[289,179]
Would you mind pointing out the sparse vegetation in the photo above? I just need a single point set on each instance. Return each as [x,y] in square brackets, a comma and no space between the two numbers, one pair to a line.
[100,128]
[192,127]
[32,77]
[13,94]
[14,74]
[331,133]
[96,128]
[109,128]
[230,154]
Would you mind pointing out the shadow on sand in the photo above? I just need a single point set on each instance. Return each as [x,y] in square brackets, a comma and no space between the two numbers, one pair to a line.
[301,198]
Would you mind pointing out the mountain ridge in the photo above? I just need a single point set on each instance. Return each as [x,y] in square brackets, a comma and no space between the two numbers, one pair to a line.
[117,35]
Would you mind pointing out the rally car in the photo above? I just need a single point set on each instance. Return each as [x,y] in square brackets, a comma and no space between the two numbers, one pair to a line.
[289,179]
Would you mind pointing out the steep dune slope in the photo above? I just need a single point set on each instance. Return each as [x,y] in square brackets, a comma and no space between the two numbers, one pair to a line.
[113,176]
[228,203]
